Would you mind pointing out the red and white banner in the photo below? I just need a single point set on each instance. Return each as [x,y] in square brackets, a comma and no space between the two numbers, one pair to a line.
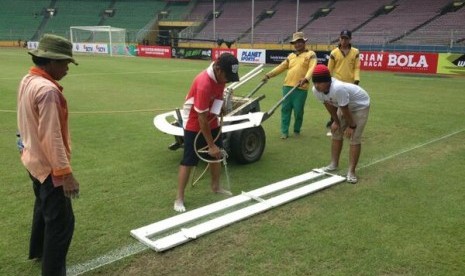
[154,51]
[399,62]
[216,52]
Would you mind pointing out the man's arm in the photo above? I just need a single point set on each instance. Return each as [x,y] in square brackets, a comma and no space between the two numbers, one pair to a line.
[333,112]
[213,149]
[350,121]
[357,69]
[277,70]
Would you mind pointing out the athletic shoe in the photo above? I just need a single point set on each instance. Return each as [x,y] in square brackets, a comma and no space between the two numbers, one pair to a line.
[351,178]
[329,134]
[179,206]
[329,168]
[174,146]
[284,136]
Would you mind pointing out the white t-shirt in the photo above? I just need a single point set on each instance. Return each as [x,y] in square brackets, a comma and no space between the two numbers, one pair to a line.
[343,93]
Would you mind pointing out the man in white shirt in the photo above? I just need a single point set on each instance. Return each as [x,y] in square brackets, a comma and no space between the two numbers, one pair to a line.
[349,106]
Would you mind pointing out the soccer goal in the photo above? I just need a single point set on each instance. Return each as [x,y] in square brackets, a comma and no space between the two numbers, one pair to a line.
[99,40]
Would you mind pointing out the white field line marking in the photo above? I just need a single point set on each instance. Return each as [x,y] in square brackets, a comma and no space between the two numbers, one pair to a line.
[105,111]
[135,248]
[111,73]
[108,258]
[410,149]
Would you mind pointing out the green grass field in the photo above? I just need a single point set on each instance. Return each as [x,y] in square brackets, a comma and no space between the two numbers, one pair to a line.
[404,217]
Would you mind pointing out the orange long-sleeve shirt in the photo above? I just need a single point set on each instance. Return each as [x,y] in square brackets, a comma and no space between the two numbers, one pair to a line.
[43,125]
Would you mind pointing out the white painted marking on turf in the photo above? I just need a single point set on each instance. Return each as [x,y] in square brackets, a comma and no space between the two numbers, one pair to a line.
[108,258]
[135,248]
[410,149]
[105,111]
[112,73]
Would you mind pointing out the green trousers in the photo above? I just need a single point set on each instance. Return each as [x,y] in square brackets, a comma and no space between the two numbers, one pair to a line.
[296,102]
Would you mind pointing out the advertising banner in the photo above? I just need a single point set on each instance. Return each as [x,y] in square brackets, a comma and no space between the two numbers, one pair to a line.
[32,45]
[451,64]
[192,53]
[154,51]
[216,52]
[251,56]
[94,48]
[276,56]
[399,62]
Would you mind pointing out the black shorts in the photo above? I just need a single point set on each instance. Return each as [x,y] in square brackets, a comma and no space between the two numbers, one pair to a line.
[190,158]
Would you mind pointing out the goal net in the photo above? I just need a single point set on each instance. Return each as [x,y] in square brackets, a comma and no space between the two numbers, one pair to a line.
[99,40]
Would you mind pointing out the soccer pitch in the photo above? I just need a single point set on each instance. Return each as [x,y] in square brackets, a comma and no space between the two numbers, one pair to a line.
[404,217]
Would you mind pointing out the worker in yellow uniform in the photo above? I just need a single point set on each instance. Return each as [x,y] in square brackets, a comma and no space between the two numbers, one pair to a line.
[344,63]
[300,65]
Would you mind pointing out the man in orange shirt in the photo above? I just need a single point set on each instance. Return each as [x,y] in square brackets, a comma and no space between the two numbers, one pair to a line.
[43,127]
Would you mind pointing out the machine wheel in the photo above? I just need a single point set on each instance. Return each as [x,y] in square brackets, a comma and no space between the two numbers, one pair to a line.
[247,145]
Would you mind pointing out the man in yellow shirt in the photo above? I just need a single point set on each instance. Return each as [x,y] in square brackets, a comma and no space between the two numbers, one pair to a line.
[300,65]
[344,63]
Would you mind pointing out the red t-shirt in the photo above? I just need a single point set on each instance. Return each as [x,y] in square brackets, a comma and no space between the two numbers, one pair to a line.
[203,92]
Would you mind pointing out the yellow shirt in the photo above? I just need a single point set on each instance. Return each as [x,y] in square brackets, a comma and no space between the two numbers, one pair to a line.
[43,126]
[345,67]
[299,66]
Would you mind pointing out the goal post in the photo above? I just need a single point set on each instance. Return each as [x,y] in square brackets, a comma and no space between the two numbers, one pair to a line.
[99,40]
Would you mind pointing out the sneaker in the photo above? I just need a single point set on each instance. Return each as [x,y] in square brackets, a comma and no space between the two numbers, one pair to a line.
[174,146]
[284,136]
[329,134]
[351,178]
[179,206]
[329,168]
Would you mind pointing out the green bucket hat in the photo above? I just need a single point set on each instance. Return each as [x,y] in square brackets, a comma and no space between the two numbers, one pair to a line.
[54,47]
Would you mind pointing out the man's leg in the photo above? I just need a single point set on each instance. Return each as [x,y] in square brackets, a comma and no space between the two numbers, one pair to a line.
[336,148]
[299,99]
[215,172]
[354,155]
[286,110]
[183,178]
[59,229]
[36,244]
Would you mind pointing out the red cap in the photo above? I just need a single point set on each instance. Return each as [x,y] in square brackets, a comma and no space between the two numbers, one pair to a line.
[321,74]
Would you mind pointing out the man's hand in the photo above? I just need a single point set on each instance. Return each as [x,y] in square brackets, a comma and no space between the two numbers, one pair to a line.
[349,132]
[335,126]
[302,82]
[214,151]
[265,78]
[69,183]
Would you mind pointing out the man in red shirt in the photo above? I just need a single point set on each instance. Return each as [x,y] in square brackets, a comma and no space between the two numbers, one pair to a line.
[200,114]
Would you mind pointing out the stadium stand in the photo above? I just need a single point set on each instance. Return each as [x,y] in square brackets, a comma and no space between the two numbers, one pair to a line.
[283,23]
[74,13]
[234,20]
[409,24]
[343,14]
[435,31]
[407,15]
[134,15]
[20,19]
